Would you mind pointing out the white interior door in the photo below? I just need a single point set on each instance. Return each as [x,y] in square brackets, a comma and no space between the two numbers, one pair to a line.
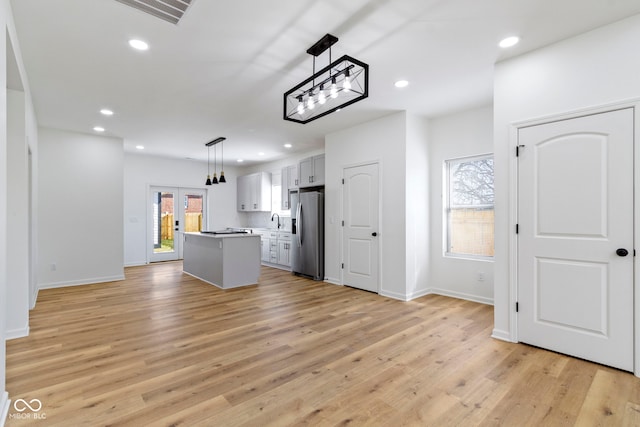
[361,228]
[575,217]
[173,212]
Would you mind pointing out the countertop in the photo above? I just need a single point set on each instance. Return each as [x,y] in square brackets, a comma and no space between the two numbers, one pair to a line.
[222,236]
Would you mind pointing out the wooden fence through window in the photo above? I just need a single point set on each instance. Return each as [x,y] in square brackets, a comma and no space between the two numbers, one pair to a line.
[472,231]
[192,222]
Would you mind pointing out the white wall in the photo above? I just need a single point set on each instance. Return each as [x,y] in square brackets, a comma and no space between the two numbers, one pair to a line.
[383,141]
[595,68]
[29,131]
[417,207]
[142,171]
[18,217]
[80,208]
[5,16]
[463,134]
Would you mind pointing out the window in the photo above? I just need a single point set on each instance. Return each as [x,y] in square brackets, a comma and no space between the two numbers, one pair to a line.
[469,196]
[276,195]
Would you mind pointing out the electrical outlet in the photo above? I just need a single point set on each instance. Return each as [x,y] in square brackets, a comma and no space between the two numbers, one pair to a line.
[54,267]
[480,276]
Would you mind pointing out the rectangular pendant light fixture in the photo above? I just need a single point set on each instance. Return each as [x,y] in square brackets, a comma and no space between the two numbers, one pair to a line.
[339,84]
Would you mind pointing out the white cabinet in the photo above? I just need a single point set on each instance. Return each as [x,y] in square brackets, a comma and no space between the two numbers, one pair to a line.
[311,171]
[242,197]
[254,192]
[289,182]
[276,248]
[273,247]
[284,249]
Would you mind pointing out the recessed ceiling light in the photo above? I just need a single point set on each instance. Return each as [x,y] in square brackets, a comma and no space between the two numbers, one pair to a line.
[261,154]
[288,145]
[106,112]
[138,44]
[141,147]
[508,42]
[98,129]
[401,83]
[240,160]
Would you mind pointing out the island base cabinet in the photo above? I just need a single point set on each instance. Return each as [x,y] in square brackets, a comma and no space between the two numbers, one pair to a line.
[226,262]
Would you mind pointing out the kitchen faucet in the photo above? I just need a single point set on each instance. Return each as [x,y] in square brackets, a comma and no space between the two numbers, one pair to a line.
[275,214]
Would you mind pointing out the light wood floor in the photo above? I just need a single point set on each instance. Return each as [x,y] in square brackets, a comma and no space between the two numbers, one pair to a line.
[162,348]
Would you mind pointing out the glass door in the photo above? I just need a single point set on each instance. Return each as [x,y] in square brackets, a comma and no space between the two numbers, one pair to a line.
[174,211]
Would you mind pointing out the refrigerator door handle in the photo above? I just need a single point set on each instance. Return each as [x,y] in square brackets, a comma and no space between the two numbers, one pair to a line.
[299,220]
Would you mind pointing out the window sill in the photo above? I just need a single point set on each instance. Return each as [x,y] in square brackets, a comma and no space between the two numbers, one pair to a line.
[467,257]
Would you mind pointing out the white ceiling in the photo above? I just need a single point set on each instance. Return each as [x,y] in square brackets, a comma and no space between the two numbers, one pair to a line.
[223,69]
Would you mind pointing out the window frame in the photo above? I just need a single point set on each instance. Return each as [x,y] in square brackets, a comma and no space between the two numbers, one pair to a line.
[446,208]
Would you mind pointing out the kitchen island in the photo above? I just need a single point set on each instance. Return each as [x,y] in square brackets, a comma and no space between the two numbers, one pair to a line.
[224,260]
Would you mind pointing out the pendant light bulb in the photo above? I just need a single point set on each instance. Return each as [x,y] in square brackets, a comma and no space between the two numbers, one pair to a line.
[322,98]
[310,103]
[333,92]
[300,105]
[222,179]
[208,180]
[346,85]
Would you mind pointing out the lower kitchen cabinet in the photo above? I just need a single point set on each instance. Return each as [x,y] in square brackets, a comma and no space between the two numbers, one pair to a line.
[275,248]
[284,253]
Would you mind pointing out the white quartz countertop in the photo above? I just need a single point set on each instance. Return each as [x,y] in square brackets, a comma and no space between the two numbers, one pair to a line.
[222,236]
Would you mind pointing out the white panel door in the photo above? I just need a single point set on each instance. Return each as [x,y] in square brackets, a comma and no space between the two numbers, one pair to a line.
[360,237]
[575,217]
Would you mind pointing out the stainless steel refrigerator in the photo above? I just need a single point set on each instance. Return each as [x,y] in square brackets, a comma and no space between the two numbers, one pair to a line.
[307,258]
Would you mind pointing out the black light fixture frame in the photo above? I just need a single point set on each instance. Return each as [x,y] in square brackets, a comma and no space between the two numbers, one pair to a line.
[343,66]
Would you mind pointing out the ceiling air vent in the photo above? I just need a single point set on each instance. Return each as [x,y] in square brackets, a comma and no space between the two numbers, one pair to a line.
[168,10]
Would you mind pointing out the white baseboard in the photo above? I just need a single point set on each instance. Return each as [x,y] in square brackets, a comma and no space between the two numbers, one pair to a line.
[501,335]
[278,266]
[333,281]
[418,294]
[393,295]
[461,295]
[17,333]
[34,298]
[80,282]
[135,263]
[4,407]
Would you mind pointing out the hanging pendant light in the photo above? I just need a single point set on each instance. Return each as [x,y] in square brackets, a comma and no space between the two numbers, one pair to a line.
[215,166]
[222,179]
[215,162]
[208,182]
[338,85]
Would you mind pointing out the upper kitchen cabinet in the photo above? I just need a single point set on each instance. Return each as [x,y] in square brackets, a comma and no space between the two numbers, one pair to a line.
[254,192]
[311,171]
[289,182]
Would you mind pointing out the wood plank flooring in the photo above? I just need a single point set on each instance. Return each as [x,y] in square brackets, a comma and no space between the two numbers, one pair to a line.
[163,348]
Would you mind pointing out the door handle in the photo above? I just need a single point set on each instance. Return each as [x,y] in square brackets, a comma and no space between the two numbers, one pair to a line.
[622,252]
[374,234]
